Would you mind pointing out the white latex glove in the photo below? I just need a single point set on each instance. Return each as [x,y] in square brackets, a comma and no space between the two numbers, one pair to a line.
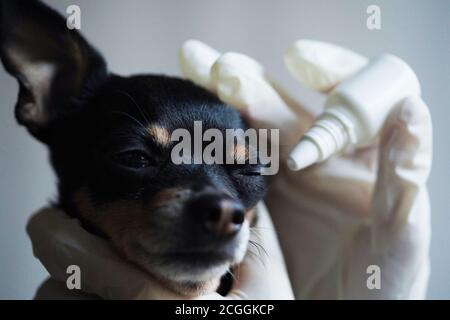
[59,241]
[361,208]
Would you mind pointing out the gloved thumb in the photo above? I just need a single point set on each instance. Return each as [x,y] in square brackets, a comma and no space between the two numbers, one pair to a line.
[404,162]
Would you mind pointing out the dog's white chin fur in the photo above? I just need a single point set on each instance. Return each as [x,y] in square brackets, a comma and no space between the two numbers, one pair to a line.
[182,274]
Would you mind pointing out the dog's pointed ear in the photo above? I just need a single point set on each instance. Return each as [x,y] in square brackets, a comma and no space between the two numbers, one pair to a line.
[54,65]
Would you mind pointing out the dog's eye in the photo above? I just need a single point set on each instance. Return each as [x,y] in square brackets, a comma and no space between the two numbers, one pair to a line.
[249,171]
[133,159]
[255,172]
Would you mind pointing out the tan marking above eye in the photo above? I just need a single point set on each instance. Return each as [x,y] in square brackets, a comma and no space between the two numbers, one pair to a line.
[160,134]
[241,152]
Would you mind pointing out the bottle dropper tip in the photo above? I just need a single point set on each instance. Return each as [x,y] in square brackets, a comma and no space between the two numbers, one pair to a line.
[303,155]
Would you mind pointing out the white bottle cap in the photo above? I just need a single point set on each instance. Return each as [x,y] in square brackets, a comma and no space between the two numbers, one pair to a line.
[304,154]
[326,137]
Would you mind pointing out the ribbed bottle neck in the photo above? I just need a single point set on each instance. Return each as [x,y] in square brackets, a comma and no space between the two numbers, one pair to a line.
[329,134]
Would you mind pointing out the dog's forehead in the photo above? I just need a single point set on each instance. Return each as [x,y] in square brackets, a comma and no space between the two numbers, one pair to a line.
[160,102]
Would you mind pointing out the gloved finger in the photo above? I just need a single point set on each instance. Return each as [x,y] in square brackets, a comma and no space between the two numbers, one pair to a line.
[262,274]
[195,60]
[404,164]
[59,242]
[320,65]
[241,82]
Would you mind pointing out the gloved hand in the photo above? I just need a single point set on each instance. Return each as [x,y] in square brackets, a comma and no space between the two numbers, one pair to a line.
[362,208]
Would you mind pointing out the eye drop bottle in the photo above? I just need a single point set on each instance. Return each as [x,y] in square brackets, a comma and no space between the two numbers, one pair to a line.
[356,110]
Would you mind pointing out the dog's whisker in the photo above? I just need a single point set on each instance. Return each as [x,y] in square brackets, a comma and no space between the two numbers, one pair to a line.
[258,245]
[141,110]
[256,234]
[257,256]
[231,274]
[261,228]
[253,231]
[129,116]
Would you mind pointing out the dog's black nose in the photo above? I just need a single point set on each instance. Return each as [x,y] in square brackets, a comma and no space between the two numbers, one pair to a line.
[220,216]
[224,218]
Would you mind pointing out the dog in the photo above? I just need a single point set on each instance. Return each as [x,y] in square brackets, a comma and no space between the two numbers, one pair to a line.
[109,144]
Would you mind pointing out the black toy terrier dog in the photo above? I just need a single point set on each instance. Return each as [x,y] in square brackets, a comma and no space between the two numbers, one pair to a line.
[109,143]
